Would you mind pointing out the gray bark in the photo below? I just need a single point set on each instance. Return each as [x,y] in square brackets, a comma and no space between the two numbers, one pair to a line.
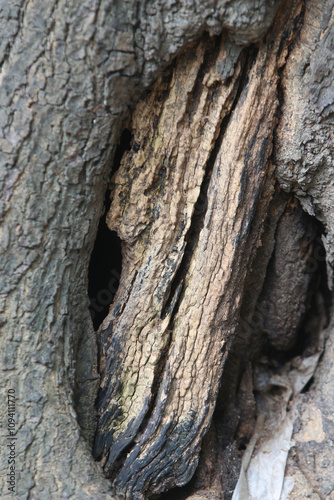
[70,75]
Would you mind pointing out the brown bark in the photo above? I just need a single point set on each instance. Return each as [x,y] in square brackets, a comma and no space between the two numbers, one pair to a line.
[190,210]
[164,344]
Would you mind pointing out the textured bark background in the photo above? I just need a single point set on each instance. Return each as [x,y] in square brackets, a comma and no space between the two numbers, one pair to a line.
[70,76]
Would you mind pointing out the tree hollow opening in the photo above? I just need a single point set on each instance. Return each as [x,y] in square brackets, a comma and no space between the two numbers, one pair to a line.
[104,270]
[105,265]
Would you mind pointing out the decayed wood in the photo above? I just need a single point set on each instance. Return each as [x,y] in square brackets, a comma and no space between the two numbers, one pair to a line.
[165,341]
[70,72]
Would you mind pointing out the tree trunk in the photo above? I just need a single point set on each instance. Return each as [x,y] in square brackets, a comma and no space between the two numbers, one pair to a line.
[208,239]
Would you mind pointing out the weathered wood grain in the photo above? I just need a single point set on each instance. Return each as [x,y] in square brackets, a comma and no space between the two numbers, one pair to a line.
[161,366]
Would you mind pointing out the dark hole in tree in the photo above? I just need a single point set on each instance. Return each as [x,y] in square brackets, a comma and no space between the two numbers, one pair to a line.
[105,265]
[242,446]
[104,272]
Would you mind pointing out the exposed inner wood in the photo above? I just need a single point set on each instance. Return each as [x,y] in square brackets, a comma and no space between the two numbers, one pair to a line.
[189,203]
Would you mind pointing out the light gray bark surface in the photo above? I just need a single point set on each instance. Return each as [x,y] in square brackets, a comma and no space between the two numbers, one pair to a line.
[69,74]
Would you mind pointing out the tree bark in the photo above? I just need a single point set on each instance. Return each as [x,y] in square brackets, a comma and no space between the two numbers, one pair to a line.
[190,203]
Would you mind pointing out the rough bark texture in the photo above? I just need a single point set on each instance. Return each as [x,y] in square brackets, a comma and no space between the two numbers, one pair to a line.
[305,150]
[70,74]
[166,339]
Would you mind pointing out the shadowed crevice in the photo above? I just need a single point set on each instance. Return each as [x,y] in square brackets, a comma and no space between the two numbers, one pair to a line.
[105,265]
